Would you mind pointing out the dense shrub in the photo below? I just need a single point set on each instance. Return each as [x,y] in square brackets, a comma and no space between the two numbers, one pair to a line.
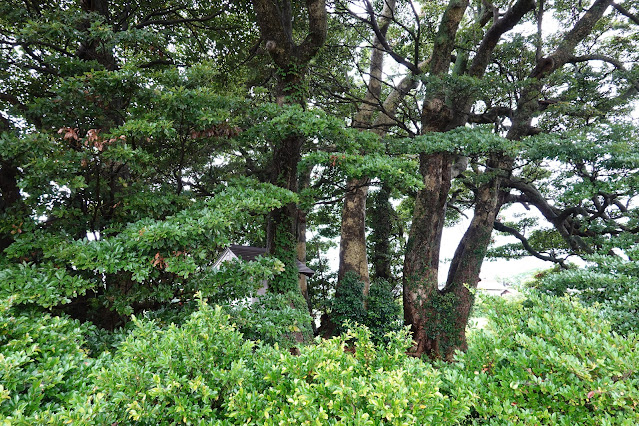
[168,375]
[609,284]
[42,364]
[274,318]
[205,372]
[542,360]
[333,383]
[383,313]
[547,360]
[348,302]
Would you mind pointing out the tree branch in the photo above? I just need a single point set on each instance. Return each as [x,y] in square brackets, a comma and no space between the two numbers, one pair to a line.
[565,227]
[381,37]
[625,12]
[490,116]
[169,22]
[317,30]
[494,33]
[524,242]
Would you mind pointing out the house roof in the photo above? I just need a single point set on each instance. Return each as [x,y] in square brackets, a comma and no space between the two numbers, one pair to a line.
[248,253]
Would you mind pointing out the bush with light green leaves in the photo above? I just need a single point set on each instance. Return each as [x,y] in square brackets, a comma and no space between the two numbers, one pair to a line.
[205,372]
[346,380]
[548,360]
[43,365]
[169,375]
[607,283]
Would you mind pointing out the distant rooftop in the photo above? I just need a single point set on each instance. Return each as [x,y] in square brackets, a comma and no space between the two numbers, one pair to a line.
[248,254]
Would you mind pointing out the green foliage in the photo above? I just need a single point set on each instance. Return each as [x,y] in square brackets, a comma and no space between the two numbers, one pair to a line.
[547,360]
[274,318]
[43,364]
[542,360]
[467,141]
[608,284]
[161,259]
[330,384]
[379,311]
[174,375]
[383,312]
[205,371]
[348,303]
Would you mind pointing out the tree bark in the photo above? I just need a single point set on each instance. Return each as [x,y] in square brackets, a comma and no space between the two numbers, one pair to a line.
[463,274]
[468,258]
[352,249]
[275,21]
[90,50]
[421,262]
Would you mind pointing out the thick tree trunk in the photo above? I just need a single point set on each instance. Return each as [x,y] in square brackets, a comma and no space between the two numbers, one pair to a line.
[91,50]
[466,264]
[352,248]
[282,225]
[275,21]
[421,262]
[463,274]
[423,304]
[304,182]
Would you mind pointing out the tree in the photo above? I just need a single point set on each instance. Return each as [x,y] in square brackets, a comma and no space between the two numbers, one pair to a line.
[290,59]
[112,141]
[459,90]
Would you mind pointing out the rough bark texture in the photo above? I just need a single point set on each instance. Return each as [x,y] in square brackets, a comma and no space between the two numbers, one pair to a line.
[451,306]
[91,50]
[305,180]
[469,255]
[352,250]
[421,262]
[466,264]
[275,21]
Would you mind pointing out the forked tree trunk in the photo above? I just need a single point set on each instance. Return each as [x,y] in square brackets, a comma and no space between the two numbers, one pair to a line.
[421,262]
[423,305]
[448,310]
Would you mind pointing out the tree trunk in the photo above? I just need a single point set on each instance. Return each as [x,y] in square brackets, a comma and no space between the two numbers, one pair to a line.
[305,180]
[282,225]
[352,249]
[454,303]
[381,225]
[90,50]
[463,274]
[275,21]
[425,308]
[421,262]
